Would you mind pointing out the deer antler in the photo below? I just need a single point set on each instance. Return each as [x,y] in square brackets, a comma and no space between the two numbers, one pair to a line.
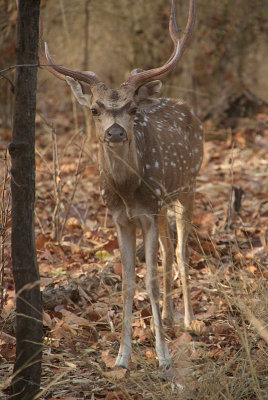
[134,79]
[179,47]
[59,71]
[42,58]
[84,76]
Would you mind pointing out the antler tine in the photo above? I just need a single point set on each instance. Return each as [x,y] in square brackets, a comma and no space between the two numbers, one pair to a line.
[44,63]
[41,55]
[179,47]
[173,28]
[87,77]
[59,71]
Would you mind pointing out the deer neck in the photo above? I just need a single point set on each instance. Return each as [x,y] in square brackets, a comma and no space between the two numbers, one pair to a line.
[120,165]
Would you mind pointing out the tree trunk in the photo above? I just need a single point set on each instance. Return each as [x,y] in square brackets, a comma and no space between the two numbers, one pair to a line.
[27,368]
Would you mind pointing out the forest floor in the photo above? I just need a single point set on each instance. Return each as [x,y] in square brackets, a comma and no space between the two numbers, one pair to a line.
[224,354]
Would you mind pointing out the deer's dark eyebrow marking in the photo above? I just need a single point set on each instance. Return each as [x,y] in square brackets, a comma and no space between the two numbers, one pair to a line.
[120,109]
[100,104]
[112,110]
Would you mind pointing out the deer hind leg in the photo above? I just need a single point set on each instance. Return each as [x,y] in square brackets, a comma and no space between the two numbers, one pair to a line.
[183,212]
[127,243]
[150,235]
[167,257]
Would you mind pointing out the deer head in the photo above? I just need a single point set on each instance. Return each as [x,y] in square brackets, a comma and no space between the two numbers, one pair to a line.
[114,110]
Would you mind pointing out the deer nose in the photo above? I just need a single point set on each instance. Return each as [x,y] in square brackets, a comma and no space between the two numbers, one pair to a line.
[115,134]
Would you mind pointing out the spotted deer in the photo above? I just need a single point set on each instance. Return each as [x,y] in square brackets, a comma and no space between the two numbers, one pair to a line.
[150,151]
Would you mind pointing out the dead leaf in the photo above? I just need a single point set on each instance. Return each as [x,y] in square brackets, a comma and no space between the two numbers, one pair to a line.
[102,254]
[7,339]
[118,268]
[252,269]
[116,373]
[41,240]
[222,329]
[216,353]
[143,335]
[72,319]
[107,358]
[116,395]
[111,245]
[146,316]
[151,353]
[47,321]
[93,315]
[198,327]
[185,337]
[72,224]
[14,16]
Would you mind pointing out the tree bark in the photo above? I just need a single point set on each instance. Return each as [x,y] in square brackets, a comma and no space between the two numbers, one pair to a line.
[29,335]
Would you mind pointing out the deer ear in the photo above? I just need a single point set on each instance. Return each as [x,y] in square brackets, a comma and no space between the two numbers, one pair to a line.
[81,91]
[148,90]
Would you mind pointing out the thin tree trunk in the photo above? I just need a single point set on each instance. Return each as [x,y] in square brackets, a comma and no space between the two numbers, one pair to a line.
[86,50]
[27,368]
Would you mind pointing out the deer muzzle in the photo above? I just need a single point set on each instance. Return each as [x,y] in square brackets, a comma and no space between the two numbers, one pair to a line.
[115,134]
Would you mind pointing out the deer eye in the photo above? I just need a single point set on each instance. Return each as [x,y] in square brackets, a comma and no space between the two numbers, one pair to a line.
[133,110]
[95,111]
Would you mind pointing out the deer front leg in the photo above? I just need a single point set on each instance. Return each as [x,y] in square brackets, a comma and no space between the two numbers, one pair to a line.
[150,235]
[127,242]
